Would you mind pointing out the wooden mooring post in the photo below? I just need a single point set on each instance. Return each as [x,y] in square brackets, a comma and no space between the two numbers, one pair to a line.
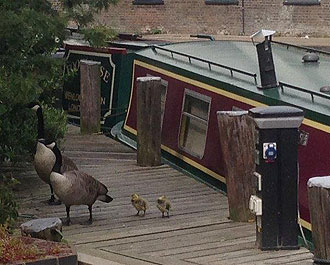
[148,121]
[236,132]
[319,206]
[90,97]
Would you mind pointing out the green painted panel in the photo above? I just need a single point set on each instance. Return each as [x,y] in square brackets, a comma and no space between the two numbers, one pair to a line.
[114,87]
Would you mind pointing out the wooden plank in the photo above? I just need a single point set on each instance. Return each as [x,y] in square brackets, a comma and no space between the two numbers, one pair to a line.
[191,237]
[199,230]
[301,262]
[300,258]
[101,236]
[252,257]
[115,257]
[209,248]
[152,260]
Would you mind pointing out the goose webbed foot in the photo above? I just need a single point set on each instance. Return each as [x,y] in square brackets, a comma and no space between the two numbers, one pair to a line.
[53,201]
[67,222]
[88,222]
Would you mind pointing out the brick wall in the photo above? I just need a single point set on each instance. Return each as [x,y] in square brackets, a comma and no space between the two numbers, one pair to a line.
[193,16]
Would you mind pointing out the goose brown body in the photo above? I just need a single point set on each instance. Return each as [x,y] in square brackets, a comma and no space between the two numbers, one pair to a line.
[77,188]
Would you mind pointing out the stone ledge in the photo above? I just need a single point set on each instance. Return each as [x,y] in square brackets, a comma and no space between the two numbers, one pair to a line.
[85,259]
[64,260]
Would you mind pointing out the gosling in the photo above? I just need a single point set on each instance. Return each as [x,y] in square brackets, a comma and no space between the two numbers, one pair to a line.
[164,205]
[139,203]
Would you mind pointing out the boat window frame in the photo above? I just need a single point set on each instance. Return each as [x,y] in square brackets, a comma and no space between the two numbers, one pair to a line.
[302,2]
[204,98]
[148,2]
[165,84]
[222,2]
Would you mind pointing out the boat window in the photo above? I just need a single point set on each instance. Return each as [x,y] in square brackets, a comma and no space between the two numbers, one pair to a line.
[194,121]
[221,2]
[163,99]
[302,2]
[148,2]
[163,94]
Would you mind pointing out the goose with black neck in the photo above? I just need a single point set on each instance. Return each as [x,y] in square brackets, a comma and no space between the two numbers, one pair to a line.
[76,187]
[44,158]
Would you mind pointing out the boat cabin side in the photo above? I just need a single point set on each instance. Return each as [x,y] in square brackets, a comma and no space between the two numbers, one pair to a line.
[190,135]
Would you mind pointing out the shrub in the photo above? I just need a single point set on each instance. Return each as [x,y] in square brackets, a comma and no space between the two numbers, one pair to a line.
[8,205]
[98,35]
[28,29]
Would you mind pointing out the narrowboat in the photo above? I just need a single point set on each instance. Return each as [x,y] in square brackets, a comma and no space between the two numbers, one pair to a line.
[200,78]
[113,74]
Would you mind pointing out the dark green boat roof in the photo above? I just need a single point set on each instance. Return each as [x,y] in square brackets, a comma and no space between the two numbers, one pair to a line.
[243,56]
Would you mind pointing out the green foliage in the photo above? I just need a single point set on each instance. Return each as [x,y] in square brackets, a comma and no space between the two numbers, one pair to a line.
[55,123]
[28,33]
[98,35]
[8,205]
[156,31]
[82,11]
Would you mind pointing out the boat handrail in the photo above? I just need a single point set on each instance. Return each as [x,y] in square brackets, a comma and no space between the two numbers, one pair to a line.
[310,49]
[312,93]
[231,69]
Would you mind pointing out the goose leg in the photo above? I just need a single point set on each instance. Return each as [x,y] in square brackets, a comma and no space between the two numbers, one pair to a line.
[138,213]
[90,220]
[52,200]
[68,220]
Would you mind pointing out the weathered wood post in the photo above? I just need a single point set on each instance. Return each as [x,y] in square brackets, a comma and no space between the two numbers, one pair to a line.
[319,206]
[148,121]
[236,129]
[90,97]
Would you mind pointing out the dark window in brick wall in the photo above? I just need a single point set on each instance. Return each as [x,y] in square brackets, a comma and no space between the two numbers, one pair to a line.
[221,2]
[148,2]
[302,2]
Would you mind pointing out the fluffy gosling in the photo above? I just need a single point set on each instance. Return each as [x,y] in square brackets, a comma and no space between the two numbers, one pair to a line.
[139,203]
[164,205]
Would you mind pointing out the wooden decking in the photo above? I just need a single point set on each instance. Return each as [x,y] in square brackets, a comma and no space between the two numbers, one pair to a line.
[198,231]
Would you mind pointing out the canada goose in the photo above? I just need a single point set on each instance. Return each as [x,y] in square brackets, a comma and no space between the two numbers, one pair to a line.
[44,158]
[164,205]
[76,187]
[139,203]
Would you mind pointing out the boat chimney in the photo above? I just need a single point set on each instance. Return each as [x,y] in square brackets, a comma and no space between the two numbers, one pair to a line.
[265,59]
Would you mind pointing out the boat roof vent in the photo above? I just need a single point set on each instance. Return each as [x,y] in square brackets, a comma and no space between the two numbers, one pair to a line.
[310,57]
[325,89]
